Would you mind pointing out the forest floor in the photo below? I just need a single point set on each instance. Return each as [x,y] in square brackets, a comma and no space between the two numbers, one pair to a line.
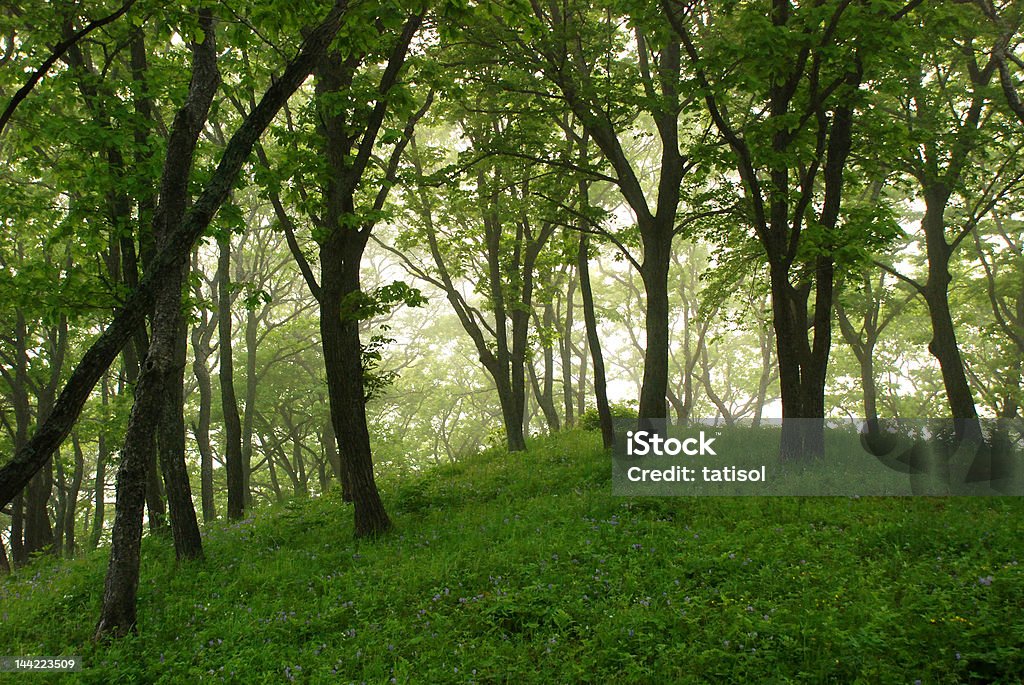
[526,569]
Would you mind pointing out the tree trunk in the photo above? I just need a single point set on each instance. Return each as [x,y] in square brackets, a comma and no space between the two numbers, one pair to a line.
[155,506]
[511,354]
[60,510]
[18,555]
[154,497]
[347,151]
[100,482]
[581,390]
[188,543]
[548,390]
[593,337]
[513,416]
[301,476]
[274,484]
[232,421]
[321,473]
[22,418]
[31,518]
[169,330]
[544,392]
[159,373]
[867,381]
[117,616]
[38,530]
[678,406]
[5,565]
[340,258]
[789,309]
[334,458]
[201,370]
[654,391]
[943,345]
[71,500]
[565,351]
[815,367]
[158,394]
[765,340]
[251,330]
[546,403]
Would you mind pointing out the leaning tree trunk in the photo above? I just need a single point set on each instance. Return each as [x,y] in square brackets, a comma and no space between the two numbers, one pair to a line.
[593,337]
[943,345]
[162,374]
[117,617]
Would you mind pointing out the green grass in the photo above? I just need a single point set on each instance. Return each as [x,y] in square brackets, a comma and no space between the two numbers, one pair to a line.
[525,569]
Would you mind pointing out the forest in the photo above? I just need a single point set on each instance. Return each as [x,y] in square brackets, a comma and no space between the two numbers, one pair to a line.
[283,283]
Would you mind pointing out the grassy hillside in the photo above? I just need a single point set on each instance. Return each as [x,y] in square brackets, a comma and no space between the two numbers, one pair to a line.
[525,569]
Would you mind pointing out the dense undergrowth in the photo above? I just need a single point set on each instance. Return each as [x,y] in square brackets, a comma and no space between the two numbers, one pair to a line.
[526,569]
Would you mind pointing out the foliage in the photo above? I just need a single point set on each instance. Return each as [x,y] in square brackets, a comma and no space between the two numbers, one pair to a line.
[590,421]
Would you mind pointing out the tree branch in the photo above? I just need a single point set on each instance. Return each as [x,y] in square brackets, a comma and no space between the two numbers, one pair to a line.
[58,52]
[906,279]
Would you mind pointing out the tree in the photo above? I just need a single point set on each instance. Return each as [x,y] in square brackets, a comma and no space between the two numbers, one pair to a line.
[229,402]
[949,116]
[158,396]
[590,320]
[1000,249]
[1007,19]
[792,157]
[577,49]
[118,616]
[203,328]
[34,454]
[875,308]
[352,104]
[497,228]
